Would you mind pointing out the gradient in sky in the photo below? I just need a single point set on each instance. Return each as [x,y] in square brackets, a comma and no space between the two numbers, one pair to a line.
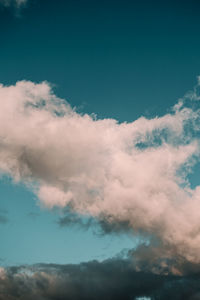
[120,60]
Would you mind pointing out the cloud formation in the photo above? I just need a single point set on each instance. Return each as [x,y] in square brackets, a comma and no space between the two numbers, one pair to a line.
[126,175]
[111,279]
[16,3]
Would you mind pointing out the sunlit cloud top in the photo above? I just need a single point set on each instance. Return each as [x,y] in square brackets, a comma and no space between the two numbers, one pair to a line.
[122,173]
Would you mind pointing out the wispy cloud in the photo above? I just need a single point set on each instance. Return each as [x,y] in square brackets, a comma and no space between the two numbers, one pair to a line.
[16,3]
[132,175]
[3,217]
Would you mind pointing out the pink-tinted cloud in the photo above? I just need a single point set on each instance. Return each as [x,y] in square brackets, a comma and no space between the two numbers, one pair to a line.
[129,172]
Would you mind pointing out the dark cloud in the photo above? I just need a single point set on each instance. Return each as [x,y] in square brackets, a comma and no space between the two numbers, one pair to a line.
[157,259]
[100,226]
[110,279]
[72,219]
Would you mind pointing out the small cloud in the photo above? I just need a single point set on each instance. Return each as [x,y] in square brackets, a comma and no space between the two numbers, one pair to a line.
[143,298]
[3,216]
[16,3]
[72,219]
[33,215]
[3,219]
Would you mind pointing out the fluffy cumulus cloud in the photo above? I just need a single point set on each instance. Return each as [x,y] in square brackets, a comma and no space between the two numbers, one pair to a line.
[126,175]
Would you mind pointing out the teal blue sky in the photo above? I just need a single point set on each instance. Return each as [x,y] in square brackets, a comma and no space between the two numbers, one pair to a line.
[32,233]
[117,59]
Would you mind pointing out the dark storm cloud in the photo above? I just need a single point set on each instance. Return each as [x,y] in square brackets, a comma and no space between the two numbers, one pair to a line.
[111,279]
[156,258]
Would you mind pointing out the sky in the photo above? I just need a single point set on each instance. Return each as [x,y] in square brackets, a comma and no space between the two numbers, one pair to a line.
[99,149]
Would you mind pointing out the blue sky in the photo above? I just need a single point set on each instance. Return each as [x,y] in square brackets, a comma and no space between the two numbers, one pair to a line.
[116,59]
[32,234]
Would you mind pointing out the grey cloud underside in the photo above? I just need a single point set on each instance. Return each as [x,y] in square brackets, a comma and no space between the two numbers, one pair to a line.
[112,279]
[100,226]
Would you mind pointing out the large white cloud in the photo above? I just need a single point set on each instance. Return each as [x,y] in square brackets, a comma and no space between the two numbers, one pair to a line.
[129,172]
